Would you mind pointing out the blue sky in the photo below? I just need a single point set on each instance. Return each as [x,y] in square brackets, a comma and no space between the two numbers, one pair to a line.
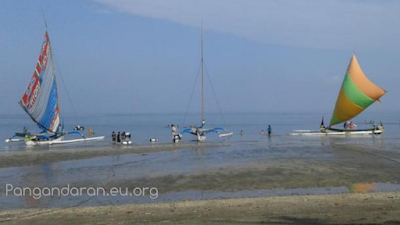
[140,56]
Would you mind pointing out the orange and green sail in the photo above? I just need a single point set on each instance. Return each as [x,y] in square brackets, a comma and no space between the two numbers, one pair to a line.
[356,94]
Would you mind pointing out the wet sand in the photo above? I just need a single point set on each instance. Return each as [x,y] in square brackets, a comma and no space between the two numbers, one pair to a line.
[28,158]
[216,168]
[350,165]
[372,208]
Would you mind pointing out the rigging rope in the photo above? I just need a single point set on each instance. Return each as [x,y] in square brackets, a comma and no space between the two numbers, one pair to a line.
[65,87]
[215,96]
[59,73]
[191,97]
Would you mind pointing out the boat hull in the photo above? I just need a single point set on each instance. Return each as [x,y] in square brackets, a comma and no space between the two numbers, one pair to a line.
[360,131]
[43,142]
[201,138]
[333,132]
[61,140]
[13,140]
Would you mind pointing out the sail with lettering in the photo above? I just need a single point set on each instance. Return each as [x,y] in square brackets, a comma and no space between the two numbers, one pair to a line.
[356,94]
[40,100]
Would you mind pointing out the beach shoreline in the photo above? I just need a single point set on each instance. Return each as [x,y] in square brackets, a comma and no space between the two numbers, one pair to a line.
[360,208]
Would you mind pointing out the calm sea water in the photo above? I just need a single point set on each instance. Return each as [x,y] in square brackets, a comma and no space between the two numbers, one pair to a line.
[146,126]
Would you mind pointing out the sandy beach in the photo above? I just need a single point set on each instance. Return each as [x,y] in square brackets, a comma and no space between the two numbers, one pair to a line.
[373,208]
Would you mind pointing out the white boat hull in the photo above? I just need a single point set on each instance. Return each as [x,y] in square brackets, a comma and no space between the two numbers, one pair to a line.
[201,138]
[13,140]
[226,134]
[334,132]
[43,142]
[61,140]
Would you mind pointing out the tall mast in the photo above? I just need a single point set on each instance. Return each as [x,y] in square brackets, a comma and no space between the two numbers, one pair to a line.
[203,119]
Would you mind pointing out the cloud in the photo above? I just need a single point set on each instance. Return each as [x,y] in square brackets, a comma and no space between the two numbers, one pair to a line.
[331,24]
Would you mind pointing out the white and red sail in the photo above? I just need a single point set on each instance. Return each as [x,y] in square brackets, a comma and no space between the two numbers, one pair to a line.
[40,100]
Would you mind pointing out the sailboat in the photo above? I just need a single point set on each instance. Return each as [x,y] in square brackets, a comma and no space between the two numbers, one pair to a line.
[40,101]
[200,131]
[356,94]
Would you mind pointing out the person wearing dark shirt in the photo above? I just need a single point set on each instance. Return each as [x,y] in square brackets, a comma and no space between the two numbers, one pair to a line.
[119,137]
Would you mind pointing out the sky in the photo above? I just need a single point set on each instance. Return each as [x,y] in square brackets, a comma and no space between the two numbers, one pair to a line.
[141,56]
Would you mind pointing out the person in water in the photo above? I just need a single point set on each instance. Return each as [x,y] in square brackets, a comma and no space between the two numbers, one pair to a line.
[241,132]
[113,137]
[119,137]
[90,132]
[269,130]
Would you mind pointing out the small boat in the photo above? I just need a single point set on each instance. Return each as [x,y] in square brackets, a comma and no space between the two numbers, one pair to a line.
[200,131]
[356,94]
[40,102]
[19,136]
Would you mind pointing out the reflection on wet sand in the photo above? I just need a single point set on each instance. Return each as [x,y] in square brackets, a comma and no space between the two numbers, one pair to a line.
[362,187]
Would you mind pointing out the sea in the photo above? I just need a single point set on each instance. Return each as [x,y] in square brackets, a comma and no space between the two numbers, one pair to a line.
[143,127]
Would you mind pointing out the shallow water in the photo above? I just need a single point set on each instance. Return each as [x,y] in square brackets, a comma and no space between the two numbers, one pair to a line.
[237,169]
[146,126]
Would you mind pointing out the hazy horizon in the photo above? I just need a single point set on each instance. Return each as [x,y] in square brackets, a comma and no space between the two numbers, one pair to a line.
[123,57]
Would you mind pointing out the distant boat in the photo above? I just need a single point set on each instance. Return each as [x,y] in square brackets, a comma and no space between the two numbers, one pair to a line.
[40,102]
[356,94]
[200,131]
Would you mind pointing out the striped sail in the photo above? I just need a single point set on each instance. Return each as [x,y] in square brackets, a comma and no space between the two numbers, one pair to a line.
[356,94]
[40,100]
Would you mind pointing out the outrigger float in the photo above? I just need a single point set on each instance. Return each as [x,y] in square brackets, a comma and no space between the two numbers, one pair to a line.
[40,102]
[356,94]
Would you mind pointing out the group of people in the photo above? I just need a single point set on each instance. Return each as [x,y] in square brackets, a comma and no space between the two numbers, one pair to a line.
[80,128]
[176,136]
[269,130]
[349,124]
[117,137]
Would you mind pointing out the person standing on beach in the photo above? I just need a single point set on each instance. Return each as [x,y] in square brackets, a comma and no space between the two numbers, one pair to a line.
[269,130]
